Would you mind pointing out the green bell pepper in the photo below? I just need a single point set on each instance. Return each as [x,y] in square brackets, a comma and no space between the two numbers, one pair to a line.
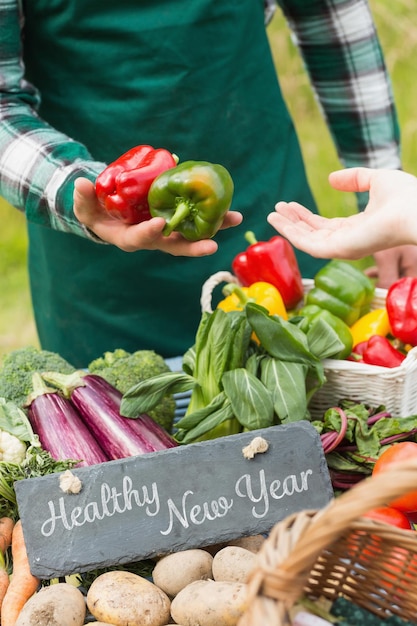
[193,198]
[311,313]
[342,289]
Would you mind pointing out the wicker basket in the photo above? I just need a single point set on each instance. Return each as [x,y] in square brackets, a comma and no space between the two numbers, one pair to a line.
[395,388]
[335,552]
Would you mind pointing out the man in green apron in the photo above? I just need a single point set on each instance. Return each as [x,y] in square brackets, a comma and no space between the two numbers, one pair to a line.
[195,77]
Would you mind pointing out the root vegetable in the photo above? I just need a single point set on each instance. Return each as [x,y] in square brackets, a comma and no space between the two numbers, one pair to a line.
[253,543]
[23,584]
[233,564]
[210,603]
[61,603]
[175,571]
[6,530]
[120,598]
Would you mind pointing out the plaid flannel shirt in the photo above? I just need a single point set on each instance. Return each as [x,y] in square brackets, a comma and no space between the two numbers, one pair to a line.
[341,52]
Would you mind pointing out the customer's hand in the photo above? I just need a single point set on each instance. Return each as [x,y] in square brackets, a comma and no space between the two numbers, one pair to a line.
[386,228]
[144,236]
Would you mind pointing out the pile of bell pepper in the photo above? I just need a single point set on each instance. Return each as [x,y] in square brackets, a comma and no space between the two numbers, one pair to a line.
[193,197]
[384,336]
[341,296]
[381,336]
[271,277]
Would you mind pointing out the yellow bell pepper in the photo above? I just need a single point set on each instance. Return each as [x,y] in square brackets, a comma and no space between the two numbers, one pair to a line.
[375,322]
[261,293]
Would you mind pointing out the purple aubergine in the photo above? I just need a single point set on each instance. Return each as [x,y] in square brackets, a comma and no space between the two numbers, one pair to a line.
[98,404]
[155,434]
[60,428]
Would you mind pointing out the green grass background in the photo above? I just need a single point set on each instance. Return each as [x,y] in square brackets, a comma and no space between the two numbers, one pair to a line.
[396,23]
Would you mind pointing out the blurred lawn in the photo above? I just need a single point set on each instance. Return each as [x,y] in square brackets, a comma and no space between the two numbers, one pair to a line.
[398,33]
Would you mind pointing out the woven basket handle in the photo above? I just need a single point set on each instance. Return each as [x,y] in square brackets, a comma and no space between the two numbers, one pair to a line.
[329,523]
[294,545]
[210,284]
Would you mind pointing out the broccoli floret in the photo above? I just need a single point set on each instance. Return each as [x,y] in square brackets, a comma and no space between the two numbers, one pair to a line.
[19,365]
[124,369]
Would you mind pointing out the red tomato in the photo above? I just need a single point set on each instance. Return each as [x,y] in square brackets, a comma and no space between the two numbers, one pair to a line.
[397,452]
[389,515]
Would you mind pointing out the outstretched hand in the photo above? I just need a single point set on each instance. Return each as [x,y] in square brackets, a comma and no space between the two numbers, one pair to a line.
[387,227]
[144,236]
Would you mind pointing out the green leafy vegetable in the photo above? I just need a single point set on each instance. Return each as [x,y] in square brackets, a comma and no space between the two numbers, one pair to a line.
[250,399]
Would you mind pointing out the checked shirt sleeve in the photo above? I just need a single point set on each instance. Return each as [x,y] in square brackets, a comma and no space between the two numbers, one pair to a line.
[340,47]
[38,164]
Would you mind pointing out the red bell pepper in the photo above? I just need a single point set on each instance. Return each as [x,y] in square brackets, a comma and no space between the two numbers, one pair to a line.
[357,351]
[274,262]
[401,304]
[122,187]
[380,351]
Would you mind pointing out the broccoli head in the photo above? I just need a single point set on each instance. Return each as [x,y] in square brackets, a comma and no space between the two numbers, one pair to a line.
[18,367]
[124,369]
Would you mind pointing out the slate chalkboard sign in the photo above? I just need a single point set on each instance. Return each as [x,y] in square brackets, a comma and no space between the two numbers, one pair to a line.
[181,498]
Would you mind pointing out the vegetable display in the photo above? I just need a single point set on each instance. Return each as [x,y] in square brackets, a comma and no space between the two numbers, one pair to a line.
[60,428]
[401,306]
[343,290]
[354,436]
[274,262]
[124,369]
[61,603]
[311,314]
[122,187]
[261,293]
[375,322]
[387,461]
[389,515]
[233,378]
[193,198]
[380,351]
[98,404]
[18,366]
[6,533]
[23,583]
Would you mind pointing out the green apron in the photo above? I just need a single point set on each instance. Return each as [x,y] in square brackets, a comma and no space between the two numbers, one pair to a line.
[193,76]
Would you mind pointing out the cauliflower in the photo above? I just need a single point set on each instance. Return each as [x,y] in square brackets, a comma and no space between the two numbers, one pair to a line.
[124,369]
[12,450]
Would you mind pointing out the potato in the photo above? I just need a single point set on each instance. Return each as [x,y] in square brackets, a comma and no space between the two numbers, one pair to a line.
[175,571]
[60,604]
[122,598]
[210,603]
[253,543]
[233,563]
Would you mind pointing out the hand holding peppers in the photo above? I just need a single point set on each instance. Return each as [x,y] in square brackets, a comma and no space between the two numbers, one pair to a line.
[144,236]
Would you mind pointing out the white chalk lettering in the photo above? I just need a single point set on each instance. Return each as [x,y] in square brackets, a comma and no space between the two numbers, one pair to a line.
[48,527]
[244,490]
[199,513]
[111,502]
[278,489]
[130,494]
